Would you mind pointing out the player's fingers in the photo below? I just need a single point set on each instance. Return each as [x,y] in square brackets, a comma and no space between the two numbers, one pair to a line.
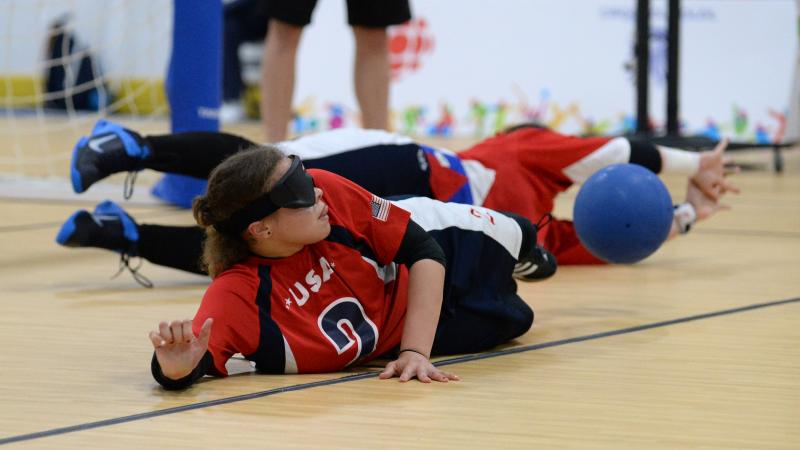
[389,371]
[731,187]
[408,373]
[713,192]
[440,376]
[155,339]
[166,334]
[423,377]
[186,331]
[205,331]
[731,170]
[708,188]
[721,146]
[176,327]
[450,375]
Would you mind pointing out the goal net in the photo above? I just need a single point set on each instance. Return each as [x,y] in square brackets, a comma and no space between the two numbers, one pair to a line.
[66,63]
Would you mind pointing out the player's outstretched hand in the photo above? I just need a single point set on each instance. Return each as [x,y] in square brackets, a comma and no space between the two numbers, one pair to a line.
[715,166]
[704,206]
[178,350]
[410,364]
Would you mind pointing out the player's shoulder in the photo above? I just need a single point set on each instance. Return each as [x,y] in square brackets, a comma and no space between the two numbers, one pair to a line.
[239,281]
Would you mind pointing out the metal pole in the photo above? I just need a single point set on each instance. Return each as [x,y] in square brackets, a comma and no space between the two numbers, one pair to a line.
[642,65]
[673,41]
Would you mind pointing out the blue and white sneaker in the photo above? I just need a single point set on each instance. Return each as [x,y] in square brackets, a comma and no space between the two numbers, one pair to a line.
[108,227]
[110,149]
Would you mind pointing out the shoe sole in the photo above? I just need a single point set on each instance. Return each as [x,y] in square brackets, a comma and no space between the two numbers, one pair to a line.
[67,230]
[75,175]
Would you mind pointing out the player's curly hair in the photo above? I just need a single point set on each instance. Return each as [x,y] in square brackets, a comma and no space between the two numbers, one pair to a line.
[232,185]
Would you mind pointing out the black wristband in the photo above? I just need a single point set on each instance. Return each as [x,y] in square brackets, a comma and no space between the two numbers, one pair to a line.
[412,350]
[183,383]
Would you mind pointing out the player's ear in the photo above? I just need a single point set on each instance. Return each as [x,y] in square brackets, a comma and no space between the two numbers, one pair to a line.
[259,230]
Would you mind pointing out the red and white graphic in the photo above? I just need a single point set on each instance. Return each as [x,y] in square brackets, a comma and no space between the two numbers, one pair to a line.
[407,45]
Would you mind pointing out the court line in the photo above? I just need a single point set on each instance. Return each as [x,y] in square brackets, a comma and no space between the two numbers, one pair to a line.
[372,374]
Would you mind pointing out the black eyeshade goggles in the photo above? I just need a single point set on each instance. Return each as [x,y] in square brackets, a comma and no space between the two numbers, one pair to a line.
[295,189]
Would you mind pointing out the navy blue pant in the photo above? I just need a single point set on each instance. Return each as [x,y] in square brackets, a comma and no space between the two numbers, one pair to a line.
[481,308]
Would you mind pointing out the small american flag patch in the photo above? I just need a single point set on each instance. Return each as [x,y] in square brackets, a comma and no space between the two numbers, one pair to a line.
[380,208]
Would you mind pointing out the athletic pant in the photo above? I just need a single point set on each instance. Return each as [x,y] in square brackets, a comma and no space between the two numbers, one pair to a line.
[481,308]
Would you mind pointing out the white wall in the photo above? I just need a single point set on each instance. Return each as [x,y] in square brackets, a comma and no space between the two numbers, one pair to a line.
[565,59]
[571,56]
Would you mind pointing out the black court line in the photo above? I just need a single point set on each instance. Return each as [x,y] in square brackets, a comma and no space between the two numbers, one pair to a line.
[371,374]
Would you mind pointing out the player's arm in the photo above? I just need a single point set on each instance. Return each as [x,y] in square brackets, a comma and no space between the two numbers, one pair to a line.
[426,262]
[707,173]
[707,170]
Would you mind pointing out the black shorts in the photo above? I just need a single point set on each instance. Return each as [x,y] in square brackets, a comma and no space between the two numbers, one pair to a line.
[365,13]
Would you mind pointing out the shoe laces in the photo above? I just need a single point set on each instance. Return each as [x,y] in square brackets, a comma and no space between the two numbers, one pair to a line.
[130,180]
[125,263]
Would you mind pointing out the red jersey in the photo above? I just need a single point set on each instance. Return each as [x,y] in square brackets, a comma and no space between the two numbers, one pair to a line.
[533,165]
[335,302]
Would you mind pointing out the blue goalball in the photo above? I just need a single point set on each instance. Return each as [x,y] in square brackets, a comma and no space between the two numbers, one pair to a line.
[623,213]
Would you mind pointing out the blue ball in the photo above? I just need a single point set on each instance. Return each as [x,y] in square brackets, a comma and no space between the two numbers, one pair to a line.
[623,213]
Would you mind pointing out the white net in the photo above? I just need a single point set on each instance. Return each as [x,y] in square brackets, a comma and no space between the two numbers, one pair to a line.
[66,63]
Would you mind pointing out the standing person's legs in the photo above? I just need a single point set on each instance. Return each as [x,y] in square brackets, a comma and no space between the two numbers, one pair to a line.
[277,78]
[369,20]
[371,76]
[244,21]
[234,15]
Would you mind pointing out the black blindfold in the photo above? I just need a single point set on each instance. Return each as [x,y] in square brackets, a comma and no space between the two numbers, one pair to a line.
[295,189]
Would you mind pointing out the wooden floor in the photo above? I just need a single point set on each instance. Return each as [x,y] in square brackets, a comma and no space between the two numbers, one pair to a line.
[698,346]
